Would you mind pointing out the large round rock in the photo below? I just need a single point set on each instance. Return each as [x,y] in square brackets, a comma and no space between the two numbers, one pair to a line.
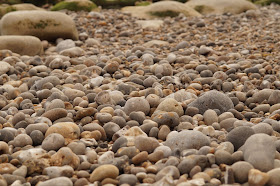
[212,100]
[137,104]
[42,24]
[259,150]
[23,45]
[68,130]
[187,139]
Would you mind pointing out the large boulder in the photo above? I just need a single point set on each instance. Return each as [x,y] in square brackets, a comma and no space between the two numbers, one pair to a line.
[42,24]
[161,9]
[221,6]
[23,45]
[5,8]
[75,5]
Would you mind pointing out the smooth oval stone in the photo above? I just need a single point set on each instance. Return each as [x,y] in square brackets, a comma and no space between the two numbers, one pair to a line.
[53,141]
[212,100]
[57,182]
[23,45]
[187,140]
[104,171]
[144,143]
[68,130]
[42,24]
[55,114]
[170,105]
[22,140]
[239,135]
[241,170]
[137,104]
[258,153]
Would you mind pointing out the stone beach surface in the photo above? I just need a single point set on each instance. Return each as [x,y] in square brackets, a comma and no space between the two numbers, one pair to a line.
[111,98]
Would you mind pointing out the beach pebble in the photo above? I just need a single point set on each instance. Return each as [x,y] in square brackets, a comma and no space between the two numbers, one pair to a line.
[129,179]
[257,177]
[57,182]
[148,144]
[137,104]
[241,171]
[104,171]
[273,176]
[258,153]
[170,105]
[187,140]
[67,129]
[212,100]
[22,140]
[239,135]
[65,156]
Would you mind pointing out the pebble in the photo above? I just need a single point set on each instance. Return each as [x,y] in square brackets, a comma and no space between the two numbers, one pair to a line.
[170,105]
[212,100]
[148,144]
[129,179]
[22,140]
[104,171]
[273,176]
[67,129]
[257,177]
[57,181]
[187,140]
[258,153]
[65,156]
[239,135]
[241,171]
[137,104]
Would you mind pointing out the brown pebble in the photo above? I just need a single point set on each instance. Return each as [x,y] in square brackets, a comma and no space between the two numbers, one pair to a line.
[156,156]
[139,158]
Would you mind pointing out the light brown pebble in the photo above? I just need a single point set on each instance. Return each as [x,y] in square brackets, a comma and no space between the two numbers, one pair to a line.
[156,156]
[139,158]
[164,130]
[104,171]
[257,177]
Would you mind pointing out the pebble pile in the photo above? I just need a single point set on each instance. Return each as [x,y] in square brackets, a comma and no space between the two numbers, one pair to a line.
[186,101]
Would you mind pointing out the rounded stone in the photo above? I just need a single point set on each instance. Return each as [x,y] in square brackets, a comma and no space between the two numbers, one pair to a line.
[68,130]
[53,141]
[258,153]
[65,156]
[146,143]
[37,137]
[4,148]
[241,171]
[274,178]
[57,182]
[210,116]
[187,139]
[6,135]
[140,157]
[129,179]
[170,171]
[77,148]
[239,135]
[22,140]
[170,105]
[212,100]
[223,157]
[55,114]
[137,104]
[104,171]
